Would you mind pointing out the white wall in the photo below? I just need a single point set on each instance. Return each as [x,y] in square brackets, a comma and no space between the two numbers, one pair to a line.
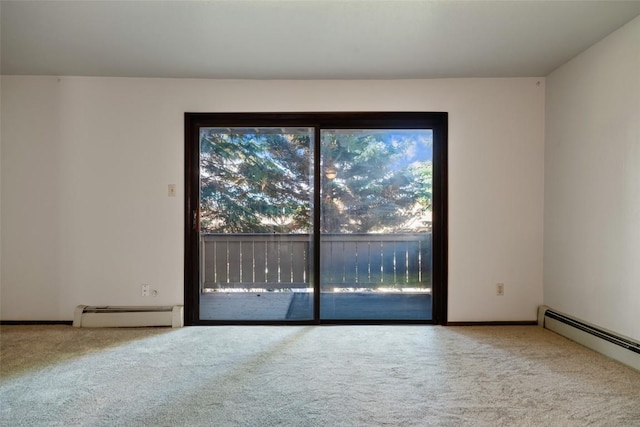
[592,184]
[86,162]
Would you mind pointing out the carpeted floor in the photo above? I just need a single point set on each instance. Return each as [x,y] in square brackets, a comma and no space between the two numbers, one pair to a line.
[309,376]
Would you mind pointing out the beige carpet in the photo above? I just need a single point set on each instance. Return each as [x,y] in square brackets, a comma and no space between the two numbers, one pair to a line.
[309,376]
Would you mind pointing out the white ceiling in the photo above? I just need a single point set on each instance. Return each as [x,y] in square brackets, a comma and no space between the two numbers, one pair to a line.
[302,39]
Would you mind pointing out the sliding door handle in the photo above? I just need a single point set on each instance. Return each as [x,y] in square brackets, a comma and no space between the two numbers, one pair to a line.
[195,224]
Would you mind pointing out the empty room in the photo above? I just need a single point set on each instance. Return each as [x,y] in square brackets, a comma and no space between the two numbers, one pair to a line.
[319,213]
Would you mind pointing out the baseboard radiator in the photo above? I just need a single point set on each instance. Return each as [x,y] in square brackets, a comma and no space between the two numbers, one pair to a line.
[131,317]
[620,348]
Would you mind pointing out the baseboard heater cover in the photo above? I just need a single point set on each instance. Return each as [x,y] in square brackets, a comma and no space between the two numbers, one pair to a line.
[123,316]
[615,346]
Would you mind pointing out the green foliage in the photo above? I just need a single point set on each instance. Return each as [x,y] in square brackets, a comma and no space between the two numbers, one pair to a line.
[254,183]
[375,189]
[423,175]
[261,183]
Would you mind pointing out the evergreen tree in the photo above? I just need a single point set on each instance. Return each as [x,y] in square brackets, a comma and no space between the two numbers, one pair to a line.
[374,188]
[254,183]
[261,183]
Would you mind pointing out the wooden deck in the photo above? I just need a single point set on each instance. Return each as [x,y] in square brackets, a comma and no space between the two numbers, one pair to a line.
[282,306]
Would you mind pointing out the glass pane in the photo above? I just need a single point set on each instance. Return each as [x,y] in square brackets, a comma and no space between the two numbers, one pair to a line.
[375,242]
[256,201]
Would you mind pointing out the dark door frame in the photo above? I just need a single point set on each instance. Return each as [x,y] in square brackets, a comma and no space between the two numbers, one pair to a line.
[437,121]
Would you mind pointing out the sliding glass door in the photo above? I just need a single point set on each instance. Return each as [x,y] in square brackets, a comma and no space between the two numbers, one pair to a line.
[256,195]
[375,241]
[315,218]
